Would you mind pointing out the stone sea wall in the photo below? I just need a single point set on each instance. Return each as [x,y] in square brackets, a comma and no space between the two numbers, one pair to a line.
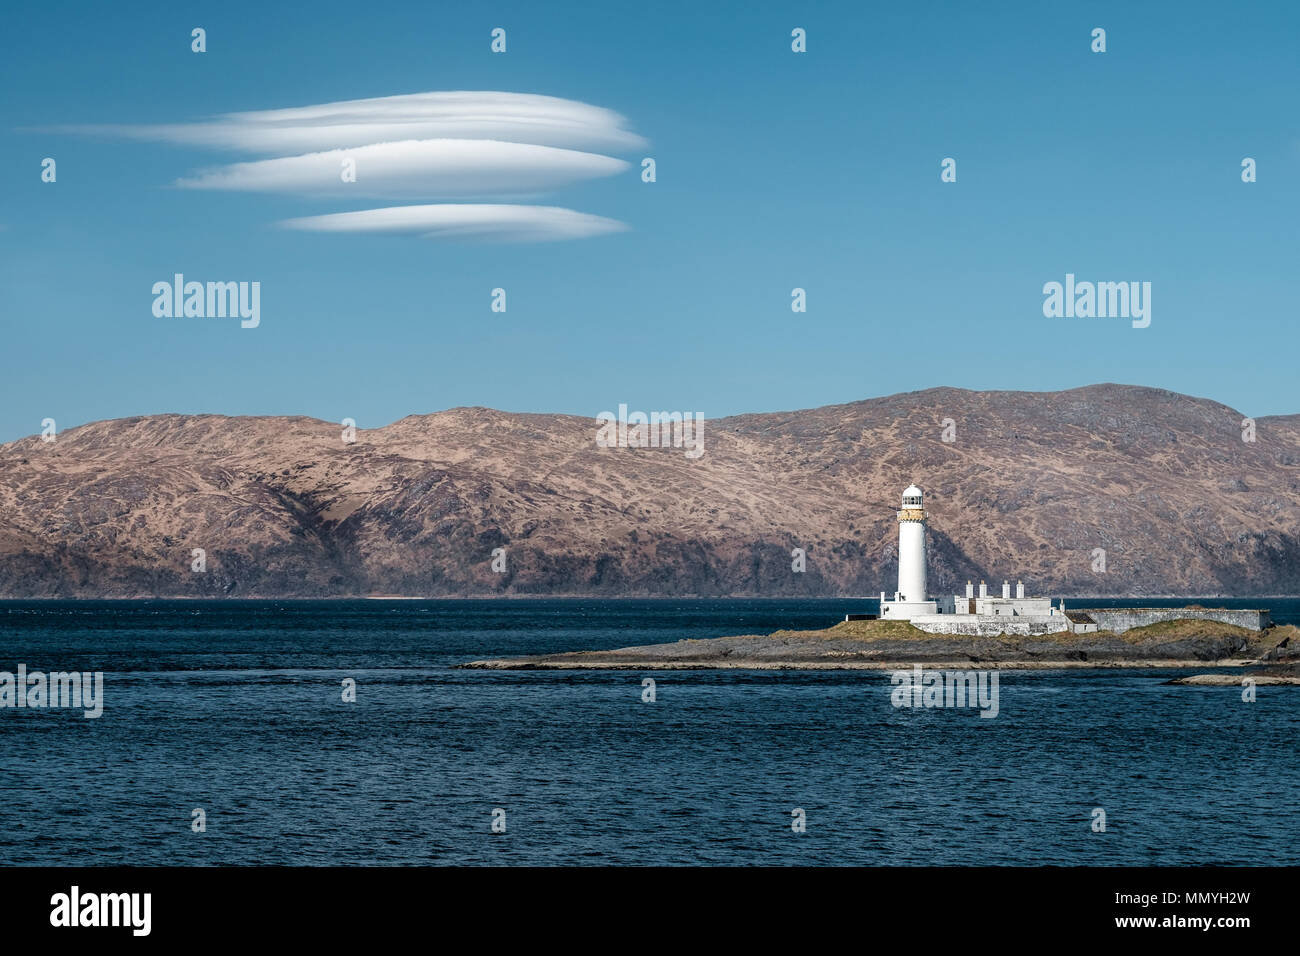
[1121,619]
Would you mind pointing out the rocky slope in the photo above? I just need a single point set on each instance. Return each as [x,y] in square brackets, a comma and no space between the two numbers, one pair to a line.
[1032,484]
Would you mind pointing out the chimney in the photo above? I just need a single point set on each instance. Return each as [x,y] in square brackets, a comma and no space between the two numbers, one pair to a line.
[1020,590]
[984,590]
[1006,590]
[970,590]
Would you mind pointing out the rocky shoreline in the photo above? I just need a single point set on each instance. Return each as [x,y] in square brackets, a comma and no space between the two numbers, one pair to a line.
[1268,675]
[886,645]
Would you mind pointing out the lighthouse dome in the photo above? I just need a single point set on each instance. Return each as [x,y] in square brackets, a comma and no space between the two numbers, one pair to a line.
[912,497]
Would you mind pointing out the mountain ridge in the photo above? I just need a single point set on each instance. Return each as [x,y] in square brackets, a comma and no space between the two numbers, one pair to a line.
[1030,486]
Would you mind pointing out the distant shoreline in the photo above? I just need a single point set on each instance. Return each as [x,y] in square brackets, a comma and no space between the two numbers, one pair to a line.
[620,597]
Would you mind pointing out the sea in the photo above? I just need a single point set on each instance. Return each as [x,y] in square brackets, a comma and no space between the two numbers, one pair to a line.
[225,739]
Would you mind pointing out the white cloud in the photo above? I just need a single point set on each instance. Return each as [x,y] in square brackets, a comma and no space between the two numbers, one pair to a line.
[419,146]
[481,221]
[422,169]
[515,117]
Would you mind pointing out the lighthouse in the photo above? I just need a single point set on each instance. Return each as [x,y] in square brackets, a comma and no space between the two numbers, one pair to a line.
[969,614]
[911,547]
[910,599]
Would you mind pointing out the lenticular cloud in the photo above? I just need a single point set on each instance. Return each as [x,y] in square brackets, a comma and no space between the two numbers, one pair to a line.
[511,117]
[482,221]
[419,146]
[420,169]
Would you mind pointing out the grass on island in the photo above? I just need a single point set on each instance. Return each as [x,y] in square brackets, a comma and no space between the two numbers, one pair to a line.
[1160,632]
[877,630]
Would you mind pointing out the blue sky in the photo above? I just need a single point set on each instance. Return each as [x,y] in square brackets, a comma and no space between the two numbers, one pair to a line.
[775,170]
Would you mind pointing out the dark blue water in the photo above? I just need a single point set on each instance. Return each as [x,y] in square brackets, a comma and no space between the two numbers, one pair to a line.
[235,707]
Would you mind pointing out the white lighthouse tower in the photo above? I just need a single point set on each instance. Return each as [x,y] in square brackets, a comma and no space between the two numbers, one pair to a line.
[910,599]
[911,546]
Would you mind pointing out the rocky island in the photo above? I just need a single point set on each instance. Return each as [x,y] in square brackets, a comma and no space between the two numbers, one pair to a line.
[886,645]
